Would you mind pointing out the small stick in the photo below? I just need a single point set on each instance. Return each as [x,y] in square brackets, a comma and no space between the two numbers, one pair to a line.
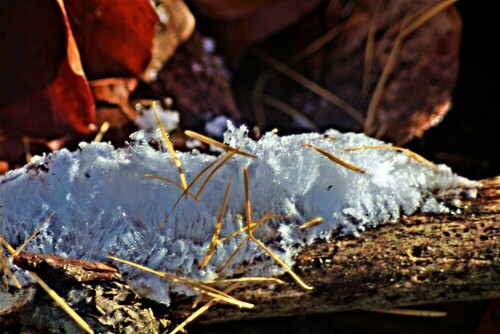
[177,161]
[250,234]
[409,153]
[218,226]
[210,141]
[311,223]
[335,159]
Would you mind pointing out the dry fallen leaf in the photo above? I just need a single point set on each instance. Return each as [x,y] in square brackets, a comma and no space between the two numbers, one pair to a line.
[43,91]
[114,37]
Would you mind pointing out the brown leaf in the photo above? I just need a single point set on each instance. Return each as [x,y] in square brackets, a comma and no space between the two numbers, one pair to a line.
[43,91]
[114,37]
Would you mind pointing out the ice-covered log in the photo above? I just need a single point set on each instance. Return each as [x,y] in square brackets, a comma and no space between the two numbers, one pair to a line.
[104,205]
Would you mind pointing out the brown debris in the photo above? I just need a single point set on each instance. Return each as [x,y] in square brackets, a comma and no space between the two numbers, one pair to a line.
[112,98]
[74,269]
[196,80]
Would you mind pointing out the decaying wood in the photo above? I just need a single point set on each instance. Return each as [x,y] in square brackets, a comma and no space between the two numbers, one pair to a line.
[75,269]
[424,258]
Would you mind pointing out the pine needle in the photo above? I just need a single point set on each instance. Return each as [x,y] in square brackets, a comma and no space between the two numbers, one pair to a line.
[335,159]
[210,141]
[254,225]
[409,26]
[242,243]
[218,226]
[320,42]
[250,234]
[289,110]
[406,151]
[202,310]
[370,48]
[177,161]
[254,279]
[20,248]
[5,266]
[409,312]
[63,304]
[164,179]
[257,92]
[216,168]
[102,131]
[27,149]
[6,269]
[311,85]
[311,223]
[221,160]
[200,287]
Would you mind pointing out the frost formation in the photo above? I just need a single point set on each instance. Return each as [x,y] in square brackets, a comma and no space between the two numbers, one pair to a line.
[104,204]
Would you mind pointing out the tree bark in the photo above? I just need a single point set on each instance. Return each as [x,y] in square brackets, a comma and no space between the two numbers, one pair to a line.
[421,259]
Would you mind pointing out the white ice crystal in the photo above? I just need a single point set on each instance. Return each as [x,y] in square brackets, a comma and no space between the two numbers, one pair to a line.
[104,204]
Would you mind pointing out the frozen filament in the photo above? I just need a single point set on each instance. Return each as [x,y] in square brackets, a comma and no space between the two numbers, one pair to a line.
[104,204]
